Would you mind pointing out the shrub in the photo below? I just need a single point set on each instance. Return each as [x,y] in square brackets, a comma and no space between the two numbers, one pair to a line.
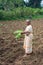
[20,12]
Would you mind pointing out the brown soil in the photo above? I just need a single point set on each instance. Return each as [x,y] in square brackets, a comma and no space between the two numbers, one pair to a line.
[11,50]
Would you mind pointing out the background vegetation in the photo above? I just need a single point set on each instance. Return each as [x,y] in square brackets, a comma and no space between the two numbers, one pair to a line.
[18,9]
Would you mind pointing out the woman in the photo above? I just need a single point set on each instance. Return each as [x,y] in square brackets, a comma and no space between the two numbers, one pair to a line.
[28,38]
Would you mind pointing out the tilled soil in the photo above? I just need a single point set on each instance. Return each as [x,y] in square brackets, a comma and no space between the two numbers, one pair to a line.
[11,50]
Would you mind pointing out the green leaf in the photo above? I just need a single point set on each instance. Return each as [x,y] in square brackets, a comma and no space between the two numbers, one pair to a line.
[17,34]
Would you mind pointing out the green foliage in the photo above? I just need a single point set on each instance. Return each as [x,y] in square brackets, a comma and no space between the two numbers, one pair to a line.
[35,3]
[1,15]
[18,3]
[20,12]
[41,11]
[17,34]
[12,4]
[16,9]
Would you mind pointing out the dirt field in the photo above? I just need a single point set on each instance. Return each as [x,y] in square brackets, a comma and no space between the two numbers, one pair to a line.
[11,51]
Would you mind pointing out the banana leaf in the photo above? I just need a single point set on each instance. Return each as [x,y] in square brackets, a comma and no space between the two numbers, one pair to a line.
[18,34]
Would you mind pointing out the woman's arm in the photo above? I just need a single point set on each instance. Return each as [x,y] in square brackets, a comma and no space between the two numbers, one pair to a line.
[27,33]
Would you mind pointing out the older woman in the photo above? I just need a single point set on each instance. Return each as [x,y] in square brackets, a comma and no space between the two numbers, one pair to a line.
[28,38]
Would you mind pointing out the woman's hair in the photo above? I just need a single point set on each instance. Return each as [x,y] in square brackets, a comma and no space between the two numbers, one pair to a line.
[28,20]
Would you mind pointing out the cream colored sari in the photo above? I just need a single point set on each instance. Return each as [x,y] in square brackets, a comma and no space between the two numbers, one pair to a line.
[28,40]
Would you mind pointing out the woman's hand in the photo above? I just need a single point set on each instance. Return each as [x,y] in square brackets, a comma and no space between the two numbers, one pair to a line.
[27,33]
[21,33]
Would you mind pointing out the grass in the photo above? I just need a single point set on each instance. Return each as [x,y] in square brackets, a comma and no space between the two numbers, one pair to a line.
[24,18]
[33,17]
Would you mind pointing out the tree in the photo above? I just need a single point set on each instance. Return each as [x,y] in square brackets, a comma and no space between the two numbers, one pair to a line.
[34,3]
[12,4]
[18,3]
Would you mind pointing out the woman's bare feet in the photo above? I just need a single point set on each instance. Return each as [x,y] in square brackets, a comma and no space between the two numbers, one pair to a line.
[27,54]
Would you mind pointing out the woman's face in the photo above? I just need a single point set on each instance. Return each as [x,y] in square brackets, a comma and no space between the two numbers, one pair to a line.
[28,23]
